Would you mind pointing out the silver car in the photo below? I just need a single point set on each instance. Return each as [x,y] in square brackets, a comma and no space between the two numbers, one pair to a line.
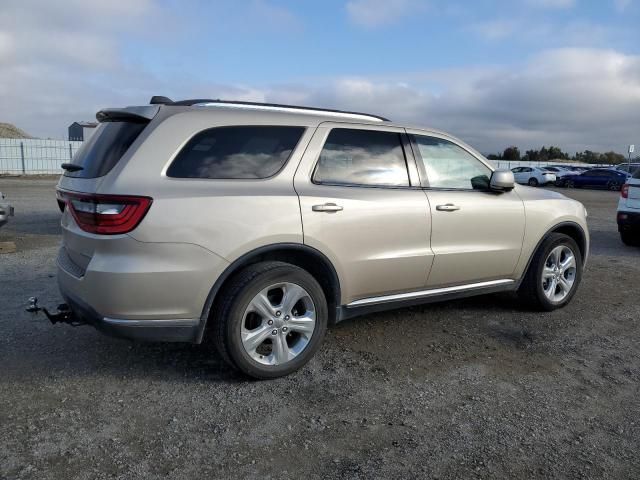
[260,225]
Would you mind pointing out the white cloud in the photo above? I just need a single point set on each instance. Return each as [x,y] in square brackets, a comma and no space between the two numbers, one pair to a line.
[377,13]
[574,98]
[55,70]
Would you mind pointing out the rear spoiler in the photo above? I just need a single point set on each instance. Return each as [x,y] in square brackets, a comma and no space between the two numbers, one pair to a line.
[142,114]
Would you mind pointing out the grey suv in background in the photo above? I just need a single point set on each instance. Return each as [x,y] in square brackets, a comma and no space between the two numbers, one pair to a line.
[262,224]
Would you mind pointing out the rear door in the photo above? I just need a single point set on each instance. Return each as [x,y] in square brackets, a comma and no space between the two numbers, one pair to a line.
[363,207]
[593,178]
[476,234]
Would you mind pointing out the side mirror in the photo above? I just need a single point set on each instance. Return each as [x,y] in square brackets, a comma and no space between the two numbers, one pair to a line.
[502,181]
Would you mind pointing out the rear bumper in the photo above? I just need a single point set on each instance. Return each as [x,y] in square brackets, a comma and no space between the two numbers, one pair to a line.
[180,330]
[138,290]
[628,221]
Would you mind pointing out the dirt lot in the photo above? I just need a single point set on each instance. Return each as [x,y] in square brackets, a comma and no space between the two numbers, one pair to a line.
[465,389]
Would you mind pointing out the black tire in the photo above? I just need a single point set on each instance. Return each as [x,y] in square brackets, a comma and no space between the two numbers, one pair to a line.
[237,295]
[570,184]
[533,182]
[530,291]
[630,239]
[614,186]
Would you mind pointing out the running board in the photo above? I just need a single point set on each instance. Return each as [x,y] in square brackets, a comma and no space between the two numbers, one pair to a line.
[402,297]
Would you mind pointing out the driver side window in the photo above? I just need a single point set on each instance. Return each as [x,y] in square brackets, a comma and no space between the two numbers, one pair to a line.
[449,166]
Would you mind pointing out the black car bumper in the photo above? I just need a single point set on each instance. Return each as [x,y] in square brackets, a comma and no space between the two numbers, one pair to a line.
[628,221]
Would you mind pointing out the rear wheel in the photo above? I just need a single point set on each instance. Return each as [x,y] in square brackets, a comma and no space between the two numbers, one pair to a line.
[554,273]
[571,184]
[271,320]
[614,186]
[533,182]
[630,239]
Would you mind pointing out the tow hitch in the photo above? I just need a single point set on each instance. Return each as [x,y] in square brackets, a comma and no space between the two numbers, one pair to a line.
[62,315]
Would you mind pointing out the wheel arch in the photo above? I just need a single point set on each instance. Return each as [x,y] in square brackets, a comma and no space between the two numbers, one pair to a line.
[303,256]
[571,229]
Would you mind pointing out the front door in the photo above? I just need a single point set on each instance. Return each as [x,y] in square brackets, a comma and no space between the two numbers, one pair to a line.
[476,234]
[363,207]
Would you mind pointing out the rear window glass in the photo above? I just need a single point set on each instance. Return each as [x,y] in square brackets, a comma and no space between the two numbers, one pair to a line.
[98,155]
[242,152]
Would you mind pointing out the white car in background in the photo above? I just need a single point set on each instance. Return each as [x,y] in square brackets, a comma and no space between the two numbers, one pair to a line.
[629,211]
[533,176]
[559,172]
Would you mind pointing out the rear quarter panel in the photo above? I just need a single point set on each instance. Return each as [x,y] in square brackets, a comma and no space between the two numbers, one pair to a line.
[227,217]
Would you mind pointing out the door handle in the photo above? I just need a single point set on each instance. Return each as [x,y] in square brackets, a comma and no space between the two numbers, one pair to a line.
[449,207]
[327,207]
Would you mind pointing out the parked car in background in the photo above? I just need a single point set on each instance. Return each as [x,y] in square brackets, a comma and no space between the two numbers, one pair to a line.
[559,172]
[596,178]
[566,168]
[6,210]
[533,176]
[630,168]
[629,211]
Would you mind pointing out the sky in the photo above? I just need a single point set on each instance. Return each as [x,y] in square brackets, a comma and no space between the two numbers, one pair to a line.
[492,72]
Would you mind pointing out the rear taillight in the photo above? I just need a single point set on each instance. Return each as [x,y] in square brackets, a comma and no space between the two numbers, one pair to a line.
[106,214]
[624,192]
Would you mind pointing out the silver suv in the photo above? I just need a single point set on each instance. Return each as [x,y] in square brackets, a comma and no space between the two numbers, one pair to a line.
[262,224]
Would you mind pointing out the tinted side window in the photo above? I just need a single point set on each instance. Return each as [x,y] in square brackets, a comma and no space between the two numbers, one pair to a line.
[242,152]
[449,166]
[362,157]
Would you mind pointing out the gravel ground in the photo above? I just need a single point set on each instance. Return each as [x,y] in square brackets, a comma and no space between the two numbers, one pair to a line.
[463,389]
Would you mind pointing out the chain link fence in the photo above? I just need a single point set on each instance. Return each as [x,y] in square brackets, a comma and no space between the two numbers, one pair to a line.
[34,156]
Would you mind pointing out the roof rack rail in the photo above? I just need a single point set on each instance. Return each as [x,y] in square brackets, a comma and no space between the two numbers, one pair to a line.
[204,102]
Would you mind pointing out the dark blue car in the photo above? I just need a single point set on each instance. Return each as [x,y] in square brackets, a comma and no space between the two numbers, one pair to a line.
[596,177]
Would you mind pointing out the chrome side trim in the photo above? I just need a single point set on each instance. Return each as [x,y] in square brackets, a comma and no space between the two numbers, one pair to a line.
[171,322]
[427,293]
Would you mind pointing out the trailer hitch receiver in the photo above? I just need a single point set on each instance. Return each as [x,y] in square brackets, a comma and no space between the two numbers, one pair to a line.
[63,314]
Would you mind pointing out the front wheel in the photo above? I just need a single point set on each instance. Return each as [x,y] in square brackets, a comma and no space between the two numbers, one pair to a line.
[271,320]
[554,273]
[533,182]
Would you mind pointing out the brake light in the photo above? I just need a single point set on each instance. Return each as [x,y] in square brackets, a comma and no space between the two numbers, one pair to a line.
[106,214]
[624,192]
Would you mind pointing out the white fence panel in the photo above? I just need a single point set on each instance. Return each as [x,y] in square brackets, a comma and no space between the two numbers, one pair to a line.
[28,156]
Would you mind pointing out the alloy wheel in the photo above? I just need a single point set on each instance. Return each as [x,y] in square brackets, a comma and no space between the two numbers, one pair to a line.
[278,324]
[559,273]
